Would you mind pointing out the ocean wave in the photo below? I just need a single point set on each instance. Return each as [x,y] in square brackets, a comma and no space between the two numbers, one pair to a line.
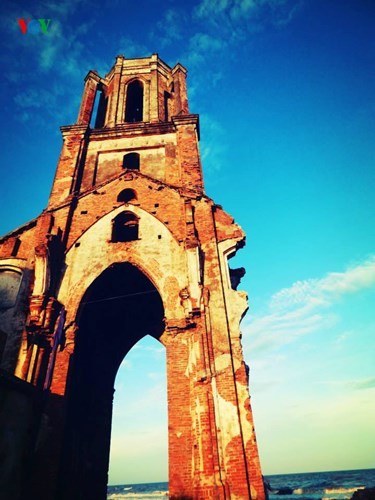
[340,491]
[298,491]
[339,496]
[154,494]
[314,490]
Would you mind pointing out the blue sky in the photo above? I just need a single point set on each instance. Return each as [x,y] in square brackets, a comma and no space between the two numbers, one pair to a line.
[285,93]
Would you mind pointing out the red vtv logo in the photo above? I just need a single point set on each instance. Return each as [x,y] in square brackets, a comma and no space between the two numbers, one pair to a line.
[34,26]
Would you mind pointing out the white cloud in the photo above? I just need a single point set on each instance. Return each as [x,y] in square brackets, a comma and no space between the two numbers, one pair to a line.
[169,29]
[233,8]
[206,7]
[242,8]
[62,52]
[157,350]
[325,291]
[212,26]
[61,9]
[231,12]
[55,57]
[304,307]
[204,42]
[32,98]
[126,364]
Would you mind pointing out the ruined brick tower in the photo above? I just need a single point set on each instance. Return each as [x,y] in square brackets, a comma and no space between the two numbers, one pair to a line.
[129,245]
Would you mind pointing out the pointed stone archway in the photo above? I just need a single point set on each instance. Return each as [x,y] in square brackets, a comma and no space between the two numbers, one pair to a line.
[118,309]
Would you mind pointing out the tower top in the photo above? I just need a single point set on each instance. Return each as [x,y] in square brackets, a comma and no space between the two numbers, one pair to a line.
[135,118]
[137,90]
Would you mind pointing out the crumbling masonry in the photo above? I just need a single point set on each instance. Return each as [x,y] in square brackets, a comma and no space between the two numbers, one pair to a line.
[127,218]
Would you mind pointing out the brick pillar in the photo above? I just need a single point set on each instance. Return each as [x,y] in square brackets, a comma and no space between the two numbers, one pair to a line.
[180,443]
[180,92]
[115,113]
[194,468]
[69,163]
[88,99]
[188,153]
[154,89]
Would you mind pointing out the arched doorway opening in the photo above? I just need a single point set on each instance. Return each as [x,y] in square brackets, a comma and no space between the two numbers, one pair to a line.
[140,420]
[119,308]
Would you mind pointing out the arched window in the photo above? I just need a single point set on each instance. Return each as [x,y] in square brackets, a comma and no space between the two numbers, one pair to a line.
[131,161]
[9,286]
[134,102]
[125,227]
[127,195]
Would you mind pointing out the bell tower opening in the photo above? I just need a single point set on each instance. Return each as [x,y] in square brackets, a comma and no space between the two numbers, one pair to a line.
[119,308]
[134,102]
[102,109]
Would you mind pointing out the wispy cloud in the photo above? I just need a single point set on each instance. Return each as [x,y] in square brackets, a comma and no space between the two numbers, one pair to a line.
[205,42]
[305,307]
[129,48]
[173,28]
[66,8]
[213,145]
[239,17]
[210,27]
[234,9]
[368,383]
[156,350]
[344,385]
[56,56]
[324,291]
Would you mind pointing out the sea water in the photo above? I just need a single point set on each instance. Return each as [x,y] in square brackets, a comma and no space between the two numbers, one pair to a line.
[339,485]
[144,491]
